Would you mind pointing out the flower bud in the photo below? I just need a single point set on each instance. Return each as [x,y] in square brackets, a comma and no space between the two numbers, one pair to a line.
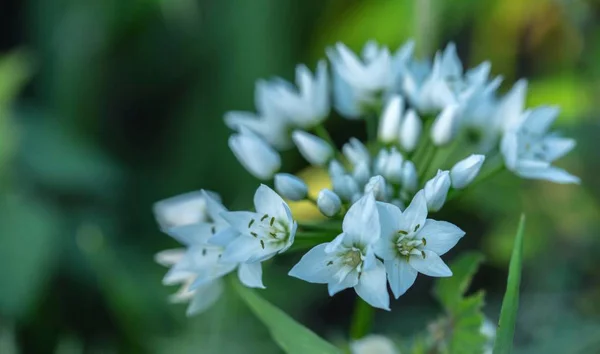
[290,186]
[345,186]
[258,157]
[436,190]
[314,149]
[373,343]
[381,161]
[410,131]
[445,126]
[390,120]
[410,179]
[378,187]
[393,169]
[336,168]
[329,203]
[356,152]
[465,171]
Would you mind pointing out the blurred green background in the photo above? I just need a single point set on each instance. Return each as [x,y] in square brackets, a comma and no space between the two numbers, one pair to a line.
[107,106]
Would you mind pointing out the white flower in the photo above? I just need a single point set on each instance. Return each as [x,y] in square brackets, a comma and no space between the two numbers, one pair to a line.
[436,190]
[358,84]
[410,131]
[411,243]
[356,152]
[410,179]
[269,123]
[377,186]
[373,344]
[529,150]
[465,171]
[264,233]
[445,126]
[260,159]
[430,90]
[329,203]
[308,105]
[389,123]
[361,173]
[314,149]
[290,186]
[336,168]
[480,116]
[183,209]
[348,261]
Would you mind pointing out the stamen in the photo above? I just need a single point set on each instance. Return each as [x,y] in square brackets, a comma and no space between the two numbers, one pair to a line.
[423,254]
[262,244]
[250,223]
[417,227]
[424,241]
[329,263]
[272,221]
[402,232]
[204,251]
[264,217]
[274,235]
[213,230]
[254,234]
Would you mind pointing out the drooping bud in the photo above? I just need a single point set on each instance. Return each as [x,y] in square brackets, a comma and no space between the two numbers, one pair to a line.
[378,187]
[436,190]
[329,203]
[258,157]
[314,149]
[356,152]
[290,186]
[465,171]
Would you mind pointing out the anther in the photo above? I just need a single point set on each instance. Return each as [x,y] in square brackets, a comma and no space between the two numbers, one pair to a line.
[264,217]
[213,230]
[272,221]
[254,234]
[402,232]
[204,251]
[250,223]
[424,241]
[417,227]
[262,244]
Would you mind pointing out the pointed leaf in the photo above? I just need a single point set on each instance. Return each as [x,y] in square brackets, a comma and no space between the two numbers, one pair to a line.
[449,291]
[510,303]
[291,336]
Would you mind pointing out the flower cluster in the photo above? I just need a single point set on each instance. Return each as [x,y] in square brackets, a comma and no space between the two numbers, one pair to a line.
[418,114]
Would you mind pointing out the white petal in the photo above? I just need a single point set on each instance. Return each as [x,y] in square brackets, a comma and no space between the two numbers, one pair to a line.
[205,296]
[240,220]
[334,245]
[260,159]
[242,249]
[557,147]
[183,209]
[348,282]
[400,275]
[314,149]
[193,233]
[440,236]
[389,216]
[550,173]
[250,274]
[431,265]
[540,119]
[214,207]
[510,149]
[168,258]
[410,131]
[361,222]
[466,170]
[315,266]
[415,214]
[389,124]
[372,287]
[223,238]
[266,201]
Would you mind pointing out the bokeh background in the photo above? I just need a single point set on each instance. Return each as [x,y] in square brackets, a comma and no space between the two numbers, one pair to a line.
[107,106]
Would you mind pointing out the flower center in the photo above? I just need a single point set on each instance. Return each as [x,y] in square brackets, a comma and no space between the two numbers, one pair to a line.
[268,229]
[407,245]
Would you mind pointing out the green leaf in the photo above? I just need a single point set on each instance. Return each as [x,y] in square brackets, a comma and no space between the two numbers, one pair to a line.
[466,335]
[510,303]
[291,336]
[450,291]
[15,70]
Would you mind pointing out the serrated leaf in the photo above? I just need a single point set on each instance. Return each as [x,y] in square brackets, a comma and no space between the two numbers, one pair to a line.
[467,321]
[450,291]
[510,303]
[291,336]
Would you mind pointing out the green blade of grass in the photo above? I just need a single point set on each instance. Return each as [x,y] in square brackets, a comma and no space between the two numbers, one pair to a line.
[510,303]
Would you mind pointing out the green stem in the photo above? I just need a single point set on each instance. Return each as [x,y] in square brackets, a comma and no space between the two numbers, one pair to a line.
[362,319]
[372,123]
[322,133]
[423,168]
